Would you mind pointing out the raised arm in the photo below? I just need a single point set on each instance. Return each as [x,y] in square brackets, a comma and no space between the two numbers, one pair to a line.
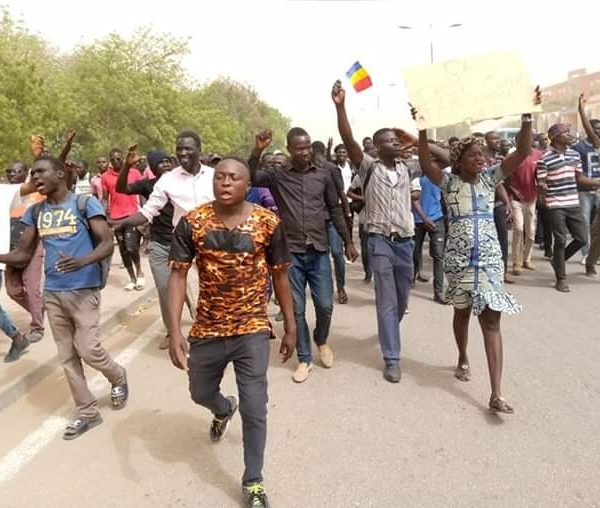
[68,144]
[132,157]
[260,177]
[355,153]
[430,168]
[587,126]
[524,139]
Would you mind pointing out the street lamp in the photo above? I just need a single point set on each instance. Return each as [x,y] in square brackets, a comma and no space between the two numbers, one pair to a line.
[408,27]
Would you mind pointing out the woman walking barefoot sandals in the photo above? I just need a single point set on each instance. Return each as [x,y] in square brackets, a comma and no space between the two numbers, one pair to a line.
[472,259]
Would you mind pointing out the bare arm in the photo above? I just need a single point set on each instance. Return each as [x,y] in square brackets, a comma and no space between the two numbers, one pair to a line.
[104,248]
[355,152]
[584,180]
[430,169]
[68,144]
[281,285]
[178,347]
[587,126]
[122,186]
[524,142]
[260,178]
[22,254]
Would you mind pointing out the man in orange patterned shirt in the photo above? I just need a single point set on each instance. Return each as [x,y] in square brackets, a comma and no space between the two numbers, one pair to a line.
[235,244]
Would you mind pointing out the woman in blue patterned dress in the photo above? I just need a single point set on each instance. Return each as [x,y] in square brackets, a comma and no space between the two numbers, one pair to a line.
[472,259]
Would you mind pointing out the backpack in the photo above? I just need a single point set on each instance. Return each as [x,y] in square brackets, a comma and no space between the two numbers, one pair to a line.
[82,201]
[357,206]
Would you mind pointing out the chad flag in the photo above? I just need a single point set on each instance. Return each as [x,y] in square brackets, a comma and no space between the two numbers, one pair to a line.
[359,77]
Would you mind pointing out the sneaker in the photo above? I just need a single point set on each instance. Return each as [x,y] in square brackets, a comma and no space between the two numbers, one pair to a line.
[255,495]
[392,373]
[583,260]
[368,278]
[81,426]
[16,349]
[119,395]
[35,335]
[562,286]
[129,287]
[220,425]
[140,283]
[528,265]
[326,356]
[302,372]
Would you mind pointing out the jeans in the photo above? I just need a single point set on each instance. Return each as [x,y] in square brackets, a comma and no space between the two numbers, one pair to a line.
[502,230]
[336,246]
[564,221]
[312,267]
[523,232]
[589,203]
[364,249]
[437,240]
[6,323]
[594,252]
[392,265]
[250,356]
[158,254]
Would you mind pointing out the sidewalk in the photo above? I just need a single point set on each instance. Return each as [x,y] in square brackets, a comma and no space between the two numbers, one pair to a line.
[41,359]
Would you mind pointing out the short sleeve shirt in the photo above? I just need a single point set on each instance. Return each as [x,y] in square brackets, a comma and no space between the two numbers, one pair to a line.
[120,205]
[558,171]
[388,203]
[64,231]
[233,268]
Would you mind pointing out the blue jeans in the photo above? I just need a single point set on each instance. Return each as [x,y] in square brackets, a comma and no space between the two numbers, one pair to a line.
[313,268]
[392,265]
[336,245]
[589,203]
[6,323]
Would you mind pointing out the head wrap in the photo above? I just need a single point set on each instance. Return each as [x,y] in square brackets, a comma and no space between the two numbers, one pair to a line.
[557,129]
[154,158]
[459,150]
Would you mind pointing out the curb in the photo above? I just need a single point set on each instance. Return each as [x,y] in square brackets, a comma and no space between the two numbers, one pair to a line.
[20,388]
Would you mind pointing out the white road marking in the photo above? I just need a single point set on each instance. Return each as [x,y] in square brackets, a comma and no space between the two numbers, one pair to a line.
[33,444]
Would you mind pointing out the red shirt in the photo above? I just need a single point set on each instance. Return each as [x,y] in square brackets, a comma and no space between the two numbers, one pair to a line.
[120,205]
[522,181]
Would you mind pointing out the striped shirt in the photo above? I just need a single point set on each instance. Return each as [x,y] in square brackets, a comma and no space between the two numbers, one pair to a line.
[387,198]
[557,170]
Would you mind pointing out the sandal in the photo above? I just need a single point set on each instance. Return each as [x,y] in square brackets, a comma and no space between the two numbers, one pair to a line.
[499,405]
[342,297]
[80,426]
[463,373]
[119,395]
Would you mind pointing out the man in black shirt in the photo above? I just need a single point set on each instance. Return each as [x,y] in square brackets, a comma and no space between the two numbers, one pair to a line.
[304,194]
[161,228]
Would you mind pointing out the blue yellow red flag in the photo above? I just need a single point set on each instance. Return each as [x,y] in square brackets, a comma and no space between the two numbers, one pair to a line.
[359,77]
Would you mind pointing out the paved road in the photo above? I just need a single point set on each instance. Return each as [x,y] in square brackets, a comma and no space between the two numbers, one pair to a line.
[346,437]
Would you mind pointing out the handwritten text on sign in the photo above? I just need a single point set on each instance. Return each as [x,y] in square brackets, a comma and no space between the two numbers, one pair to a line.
[472,89]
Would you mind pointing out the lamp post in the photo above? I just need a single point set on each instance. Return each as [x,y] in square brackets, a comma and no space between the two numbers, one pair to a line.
[408,27]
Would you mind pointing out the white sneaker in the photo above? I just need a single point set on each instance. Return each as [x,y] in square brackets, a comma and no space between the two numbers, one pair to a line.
[302,372]
[583,260]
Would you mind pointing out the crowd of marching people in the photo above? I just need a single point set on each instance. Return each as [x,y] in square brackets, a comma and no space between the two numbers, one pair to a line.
[270,225]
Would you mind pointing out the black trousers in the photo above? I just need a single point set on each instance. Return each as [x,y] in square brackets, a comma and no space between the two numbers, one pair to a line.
[437,241]
[128,241]
[563,222]
[250,356]
[502,230]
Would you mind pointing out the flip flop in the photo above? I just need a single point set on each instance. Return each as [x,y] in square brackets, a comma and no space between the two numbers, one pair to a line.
[499,405]
[463,373]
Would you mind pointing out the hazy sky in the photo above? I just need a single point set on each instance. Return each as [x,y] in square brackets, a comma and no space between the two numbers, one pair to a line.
[291,51]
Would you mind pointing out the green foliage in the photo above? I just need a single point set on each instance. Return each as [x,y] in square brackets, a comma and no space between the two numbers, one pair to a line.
[117,92]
